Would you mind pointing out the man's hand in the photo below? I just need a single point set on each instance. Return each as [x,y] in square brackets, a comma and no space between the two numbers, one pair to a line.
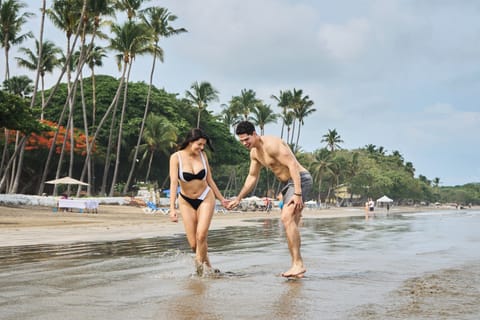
[297,201]
[233,204]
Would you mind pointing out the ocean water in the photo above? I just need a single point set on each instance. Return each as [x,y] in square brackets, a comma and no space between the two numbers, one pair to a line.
[415,266]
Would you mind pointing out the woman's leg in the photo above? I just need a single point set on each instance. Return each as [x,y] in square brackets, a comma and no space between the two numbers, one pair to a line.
[204,217]
[189,218]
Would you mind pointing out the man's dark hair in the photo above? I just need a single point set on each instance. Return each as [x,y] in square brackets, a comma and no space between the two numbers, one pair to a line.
[245,127]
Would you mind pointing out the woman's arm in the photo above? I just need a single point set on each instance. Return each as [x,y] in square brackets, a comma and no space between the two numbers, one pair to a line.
[173,170]
[213,185]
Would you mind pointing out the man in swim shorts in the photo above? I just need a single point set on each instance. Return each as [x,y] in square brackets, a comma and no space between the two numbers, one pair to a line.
[273,153]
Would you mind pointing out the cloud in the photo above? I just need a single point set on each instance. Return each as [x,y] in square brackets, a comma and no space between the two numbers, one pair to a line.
[344,42]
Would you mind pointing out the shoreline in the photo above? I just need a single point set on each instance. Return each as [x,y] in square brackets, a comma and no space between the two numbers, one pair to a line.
[26,225]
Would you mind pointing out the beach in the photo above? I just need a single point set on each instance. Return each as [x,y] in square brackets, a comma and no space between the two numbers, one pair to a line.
[121,263]
[27,225]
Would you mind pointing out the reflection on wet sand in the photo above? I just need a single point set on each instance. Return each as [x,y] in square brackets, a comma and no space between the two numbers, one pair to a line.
[289,304]
[190,302]
[400,267]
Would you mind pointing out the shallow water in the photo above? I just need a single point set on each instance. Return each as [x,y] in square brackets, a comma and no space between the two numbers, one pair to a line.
[416,266]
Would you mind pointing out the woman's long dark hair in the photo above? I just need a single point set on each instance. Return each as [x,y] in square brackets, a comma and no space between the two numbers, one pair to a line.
[194,135]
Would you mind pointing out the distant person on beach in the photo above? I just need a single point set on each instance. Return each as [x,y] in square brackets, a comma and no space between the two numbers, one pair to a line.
[189,167]
[371,205]
[273,153]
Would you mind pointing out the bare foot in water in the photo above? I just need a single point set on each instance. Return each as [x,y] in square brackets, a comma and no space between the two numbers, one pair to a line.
[295,272]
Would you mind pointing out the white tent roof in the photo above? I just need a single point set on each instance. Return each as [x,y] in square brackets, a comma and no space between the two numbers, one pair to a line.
[384,199]
[67,180]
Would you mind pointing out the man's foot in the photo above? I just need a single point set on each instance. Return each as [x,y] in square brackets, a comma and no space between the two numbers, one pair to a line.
[294,273]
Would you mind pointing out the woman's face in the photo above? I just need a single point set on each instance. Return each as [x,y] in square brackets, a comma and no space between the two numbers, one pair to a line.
[198,145]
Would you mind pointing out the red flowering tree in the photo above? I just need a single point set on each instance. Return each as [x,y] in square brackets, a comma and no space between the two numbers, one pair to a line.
[45,139]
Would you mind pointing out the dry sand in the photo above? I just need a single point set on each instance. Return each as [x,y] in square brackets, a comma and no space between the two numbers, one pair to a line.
[23,225]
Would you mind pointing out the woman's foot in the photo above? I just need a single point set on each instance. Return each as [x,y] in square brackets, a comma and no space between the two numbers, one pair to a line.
[295,272]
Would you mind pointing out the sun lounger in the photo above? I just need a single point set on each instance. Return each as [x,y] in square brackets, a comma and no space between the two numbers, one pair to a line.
[152,208]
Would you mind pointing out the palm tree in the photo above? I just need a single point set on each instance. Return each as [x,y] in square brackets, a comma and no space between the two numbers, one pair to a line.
[409,168]
[131,6]
[332,139]
[95,59]
[263,114]
[228,117]
[320,166]
[49,60]
[303,110]
[200,95]
[288,119]
[11,23]
[131,39]
[160,136]
[244,103]
[66,15]
[19,85]
[283,101]
[157,21]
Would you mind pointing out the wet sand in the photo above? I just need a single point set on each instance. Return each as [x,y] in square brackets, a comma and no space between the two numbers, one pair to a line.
[123,263]
[24,225]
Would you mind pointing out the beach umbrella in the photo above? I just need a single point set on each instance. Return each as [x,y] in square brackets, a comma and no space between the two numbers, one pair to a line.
[67,180]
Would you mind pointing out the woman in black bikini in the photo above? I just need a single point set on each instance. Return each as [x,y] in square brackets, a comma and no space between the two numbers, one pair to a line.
[189,167]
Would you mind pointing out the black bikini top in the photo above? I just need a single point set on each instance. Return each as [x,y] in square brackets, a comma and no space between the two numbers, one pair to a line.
[188,176]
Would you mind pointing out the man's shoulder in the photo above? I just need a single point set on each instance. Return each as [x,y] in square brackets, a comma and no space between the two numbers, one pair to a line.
[274,139]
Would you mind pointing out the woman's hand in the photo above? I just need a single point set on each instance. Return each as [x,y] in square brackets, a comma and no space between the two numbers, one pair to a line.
[173,215]
[225,203]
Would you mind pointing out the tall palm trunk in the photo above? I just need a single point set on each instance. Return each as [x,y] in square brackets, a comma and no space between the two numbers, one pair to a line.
[52,93]
[142,126]
[106,168]
[298,133]
[85,127]
[150,160]
[120,129]
[16,181]
[60,160]
[100,125]
[4,179]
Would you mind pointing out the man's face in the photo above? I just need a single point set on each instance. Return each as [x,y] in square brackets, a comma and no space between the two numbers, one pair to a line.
[246,140]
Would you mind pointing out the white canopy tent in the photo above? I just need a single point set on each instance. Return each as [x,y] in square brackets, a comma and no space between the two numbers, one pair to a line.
[67,180]
[384,199]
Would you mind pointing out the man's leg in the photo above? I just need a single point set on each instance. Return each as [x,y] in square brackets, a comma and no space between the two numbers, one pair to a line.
[291,219]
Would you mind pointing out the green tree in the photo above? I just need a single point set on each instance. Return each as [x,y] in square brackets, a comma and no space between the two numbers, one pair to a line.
[49,60]
[244,103]
[19,85]
[130,6]
[160,136]
[229,117]
[332,139]
[262,115]
[157,20]
[200,95]
[303,110]
[11,23]
[320,166]
[131,39]
[283,101]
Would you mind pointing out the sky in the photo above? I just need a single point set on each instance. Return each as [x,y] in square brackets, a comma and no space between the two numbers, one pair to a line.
[400,74]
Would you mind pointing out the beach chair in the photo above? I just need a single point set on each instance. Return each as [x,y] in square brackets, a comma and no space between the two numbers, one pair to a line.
[150,207]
